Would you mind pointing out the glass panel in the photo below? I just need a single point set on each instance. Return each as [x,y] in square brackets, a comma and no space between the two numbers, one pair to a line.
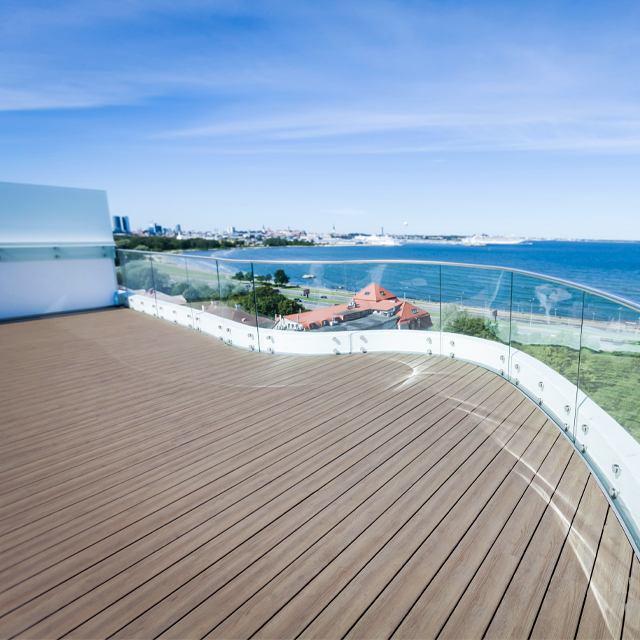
[121,277]
[289,297]
[171,283]
[546,325]
[236,307]
[404,298]
[204,295]
[476,305]
[608,421]
[610,360]
[138,276]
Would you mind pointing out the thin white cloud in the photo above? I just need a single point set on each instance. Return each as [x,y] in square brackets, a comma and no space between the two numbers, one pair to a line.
[387,132]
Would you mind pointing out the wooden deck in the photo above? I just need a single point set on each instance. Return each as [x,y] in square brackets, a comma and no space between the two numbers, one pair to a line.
[155,482]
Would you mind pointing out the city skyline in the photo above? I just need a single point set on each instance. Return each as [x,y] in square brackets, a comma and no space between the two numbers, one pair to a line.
[459,119]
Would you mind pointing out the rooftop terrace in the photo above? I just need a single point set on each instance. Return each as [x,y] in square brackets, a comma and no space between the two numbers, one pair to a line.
[156,482]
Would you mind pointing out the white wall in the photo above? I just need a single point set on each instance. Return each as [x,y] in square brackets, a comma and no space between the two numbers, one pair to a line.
[35,218]
[34,288]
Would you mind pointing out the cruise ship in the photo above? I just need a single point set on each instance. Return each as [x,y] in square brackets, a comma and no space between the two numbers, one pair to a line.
[378,241]
[483,240]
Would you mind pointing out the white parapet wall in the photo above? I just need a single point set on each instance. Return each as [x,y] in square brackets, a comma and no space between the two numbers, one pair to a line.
[607,447]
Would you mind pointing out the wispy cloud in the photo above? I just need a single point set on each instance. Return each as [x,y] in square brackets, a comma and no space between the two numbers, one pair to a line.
[385,132]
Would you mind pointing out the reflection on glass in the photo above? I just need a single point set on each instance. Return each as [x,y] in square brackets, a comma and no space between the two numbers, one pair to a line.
[476,303]
[546,321]
[546,325]
[203,288]
[137,271]
[237,297]
[172,289]
[137,278]
[610,360]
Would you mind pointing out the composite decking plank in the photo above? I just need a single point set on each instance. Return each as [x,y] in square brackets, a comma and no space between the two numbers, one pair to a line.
[631,628]
[152,475]
[147,364]
[562,605]
[259,373]
[432,609]
[434,451]
[232,467]
[168,401]
[429,499]
[204,535]
[277,393]
[208,509]
[362,578]
[516,614]
[341,396]
[228,378]
[604,606]
[404,588]
[480,598]
[219,605]
[379,466]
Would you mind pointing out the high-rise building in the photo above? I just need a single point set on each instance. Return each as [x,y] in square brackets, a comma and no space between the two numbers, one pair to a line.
[117,225]
[178,229]
[158,229]
[125,224]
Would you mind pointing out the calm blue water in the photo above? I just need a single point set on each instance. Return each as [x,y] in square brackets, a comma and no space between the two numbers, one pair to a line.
[611,267]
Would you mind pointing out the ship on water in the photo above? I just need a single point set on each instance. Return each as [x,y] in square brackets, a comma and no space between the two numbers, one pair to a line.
[484,240]
[379,241]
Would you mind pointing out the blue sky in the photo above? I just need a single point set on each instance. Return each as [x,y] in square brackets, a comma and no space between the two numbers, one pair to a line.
[457,117]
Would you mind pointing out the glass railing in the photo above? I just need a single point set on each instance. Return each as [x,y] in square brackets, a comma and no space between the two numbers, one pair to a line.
[574,350]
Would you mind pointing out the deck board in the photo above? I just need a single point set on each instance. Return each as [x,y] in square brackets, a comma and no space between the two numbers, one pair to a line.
[604,607]
[154,481]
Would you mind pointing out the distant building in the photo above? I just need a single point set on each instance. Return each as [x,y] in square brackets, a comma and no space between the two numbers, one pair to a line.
[117,225]
[231,230]
[372,308]
[178,229]
[158,229]
[125,224]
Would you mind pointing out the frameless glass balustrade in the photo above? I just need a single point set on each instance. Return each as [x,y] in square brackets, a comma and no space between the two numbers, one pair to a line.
[573,350]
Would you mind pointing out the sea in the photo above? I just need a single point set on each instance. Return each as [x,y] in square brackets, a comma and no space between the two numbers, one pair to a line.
[613,267]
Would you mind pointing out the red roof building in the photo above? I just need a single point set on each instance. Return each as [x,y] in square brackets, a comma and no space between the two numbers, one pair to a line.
[372,308]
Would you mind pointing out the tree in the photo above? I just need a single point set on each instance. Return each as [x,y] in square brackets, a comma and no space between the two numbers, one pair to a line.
[468,326]
[138,275]
[270,302]
[240,276]
[180,289]
[161,243]
[280,277]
